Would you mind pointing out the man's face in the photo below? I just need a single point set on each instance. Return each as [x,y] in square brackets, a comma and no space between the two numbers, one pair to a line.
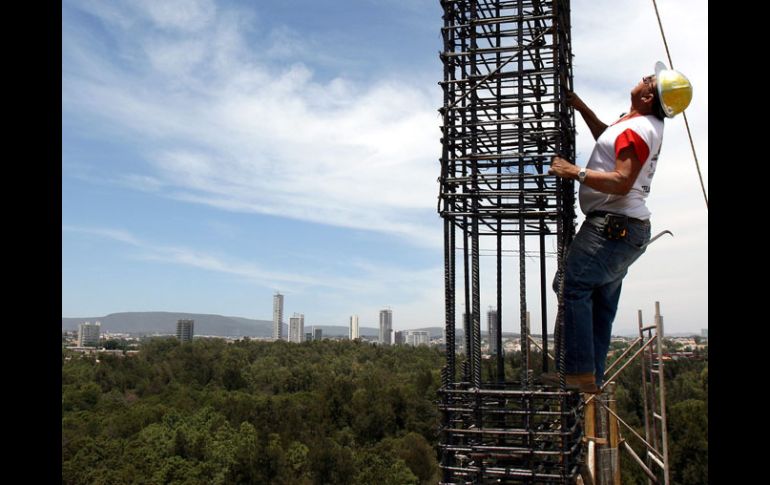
[645,86]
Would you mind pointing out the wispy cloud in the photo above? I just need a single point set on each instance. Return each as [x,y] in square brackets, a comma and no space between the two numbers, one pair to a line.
[202,260]
[140,182]
[234,132]
[369,281]
[114,234]
[180,15]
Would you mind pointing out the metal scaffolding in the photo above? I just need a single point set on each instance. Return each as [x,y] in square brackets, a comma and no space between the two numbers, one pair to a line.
[648,348]
[507,67]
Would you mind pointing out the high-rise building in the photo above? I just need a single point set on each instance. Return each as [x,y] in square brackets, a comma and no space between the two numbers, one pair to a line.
[465,325]
[704,332]
[296,328]
[492,330]
[185,330]
[399,338]
[417,337]
[386,326]
[277,316]
[88,334]
[354,327]
[308,336]
[318,333]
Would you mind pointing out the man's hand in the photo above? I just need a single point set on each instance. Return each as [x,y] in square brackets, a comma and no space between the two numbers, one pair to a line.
[562,168]
[575,101]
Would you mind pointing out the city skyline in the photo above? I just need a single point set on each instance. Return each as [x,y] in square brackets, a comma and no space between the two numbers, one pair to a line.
[222,328]
[215,153]
[375,322]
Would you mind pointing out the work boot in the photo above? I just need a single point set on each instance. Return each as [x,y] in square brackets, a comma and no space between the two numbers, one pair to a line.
[583,382]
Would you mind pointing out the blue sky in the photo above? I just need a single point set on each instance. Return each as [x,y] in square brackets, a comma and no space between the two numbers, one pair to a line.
[214,152]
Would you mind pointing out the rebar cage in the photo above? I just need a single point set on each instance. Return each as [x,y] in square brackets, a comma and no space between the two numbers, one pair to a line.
[507,68]
[508,435]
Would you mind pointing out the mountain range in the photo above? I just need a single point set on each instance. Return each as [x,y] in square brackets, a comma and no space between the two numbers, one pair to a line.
[149,323]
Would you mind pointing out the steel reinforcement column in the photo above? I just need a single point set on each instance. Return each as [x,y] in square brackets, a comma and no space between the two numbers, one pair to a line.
[507,69]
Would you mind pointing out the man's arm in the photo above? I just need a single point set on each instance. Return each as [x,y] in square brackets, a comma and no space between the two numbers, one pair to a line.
[618,182]
[596,125]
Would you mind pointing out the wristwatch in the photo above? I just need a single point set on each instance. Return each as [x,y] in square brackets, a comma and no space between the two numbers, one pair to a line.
[582,175]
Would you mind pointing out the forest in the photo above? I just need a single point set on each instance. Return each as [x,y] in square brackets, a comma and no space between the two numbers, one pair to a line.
[321,412]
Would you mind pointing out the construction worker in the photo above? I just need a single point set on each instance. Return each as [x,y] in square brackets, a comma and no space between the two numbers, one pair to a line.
[614,185]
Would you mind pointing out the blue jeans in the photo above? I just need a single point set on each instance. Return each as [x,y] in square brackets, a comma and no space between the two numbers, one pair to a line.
[593,276]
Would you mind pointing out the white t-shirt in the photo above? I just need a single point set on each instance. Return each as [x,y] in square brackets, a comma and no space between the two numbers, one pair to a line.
[645,134]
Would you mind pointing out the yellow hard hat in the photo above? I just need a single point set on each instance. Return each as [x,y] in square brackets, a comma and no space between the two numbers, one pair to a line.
[674,90]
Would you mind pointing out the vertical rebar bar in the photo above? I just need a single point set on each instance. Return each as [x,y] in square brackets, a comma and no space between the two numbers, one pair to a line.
[449,328]
[475,277]
[521,226]
[543,302]
[499,149]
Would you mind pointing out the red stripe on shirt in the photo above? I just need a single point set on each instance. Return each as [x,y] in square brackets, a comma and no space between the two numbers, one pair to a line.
[630,138]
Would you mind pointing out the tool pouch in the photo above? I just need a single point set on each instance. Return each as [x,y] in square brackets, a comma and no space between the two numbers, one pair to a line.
[615,226]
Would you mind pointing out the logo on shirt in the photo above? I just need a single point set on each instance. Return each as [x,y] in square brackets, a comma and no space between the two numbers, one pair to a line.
[651,167]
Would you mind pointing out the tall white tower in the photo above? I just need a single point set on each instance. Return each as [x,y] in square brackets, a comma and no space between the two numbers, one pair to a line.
[277,316]
[492,330]
[386,326]
[354,327]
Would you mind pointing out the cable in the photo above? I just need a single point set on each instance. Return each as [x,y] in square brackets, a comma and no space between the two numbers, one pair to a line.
[686,124]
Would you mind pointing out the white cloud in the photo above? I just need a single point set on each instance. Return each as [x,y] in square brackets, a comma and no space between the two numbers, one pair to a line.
[412,294]
[141,182]
[115,234]
[412,289]
[184,15]
[285,43]
[176,57]
[171,15]
[202,260]
[115,13]
[245,136]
